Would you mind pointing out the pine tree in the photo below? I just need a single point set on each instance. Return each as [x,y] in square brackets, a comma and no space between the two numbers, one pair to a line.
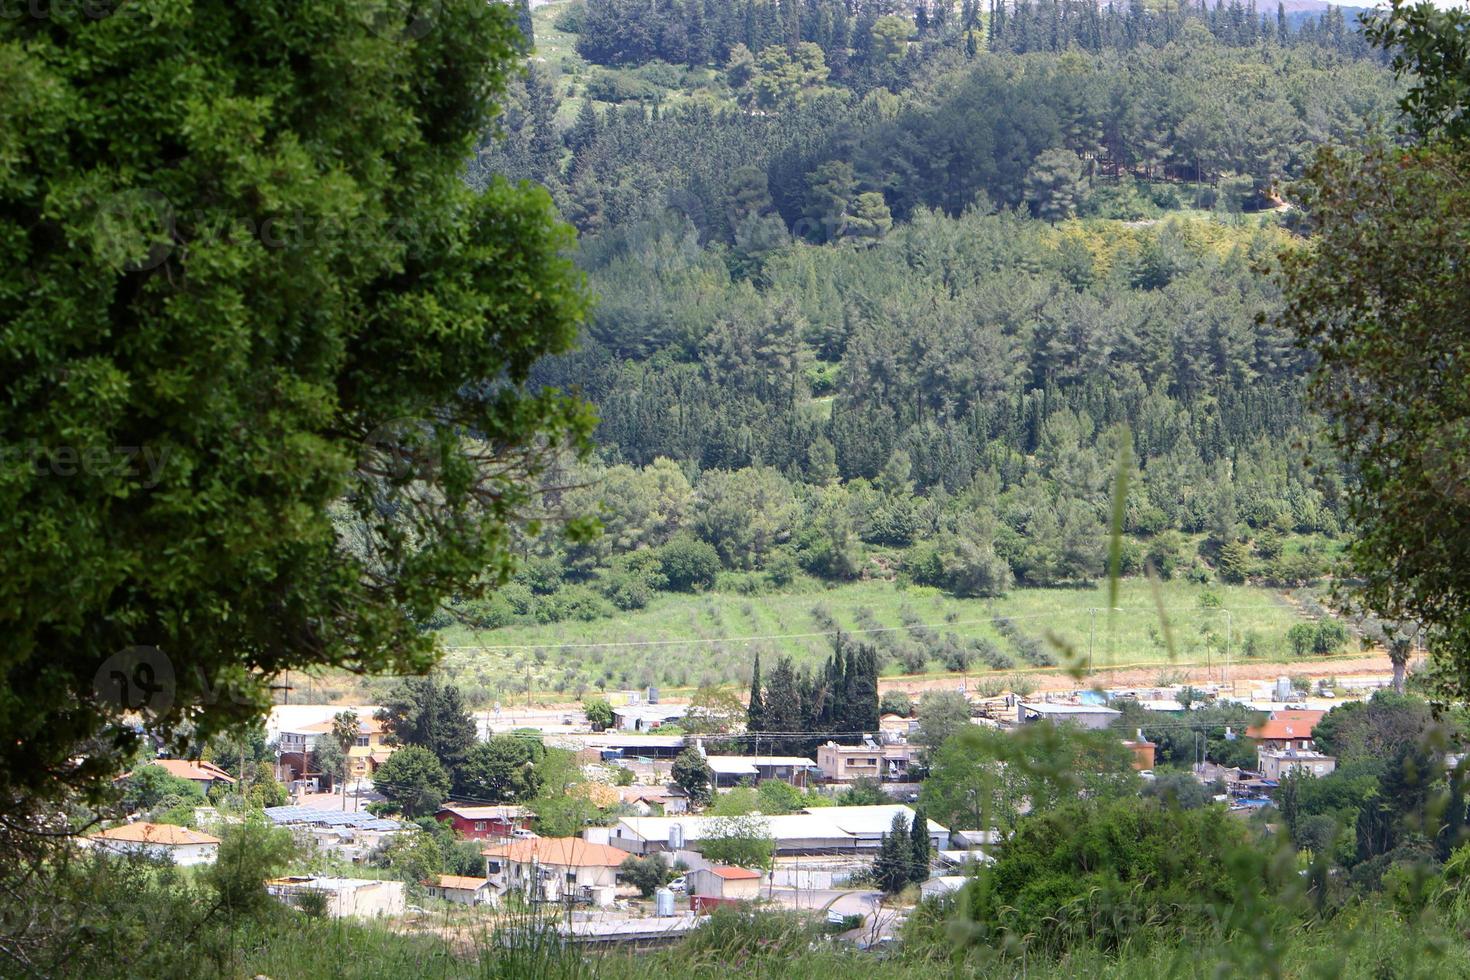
[919,853]
[783,699]
[755,711]
[893,867]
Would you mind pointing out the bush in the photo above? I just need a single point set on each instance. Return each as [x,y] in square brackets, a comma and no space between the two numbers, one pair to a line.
[569,19]
[688,564]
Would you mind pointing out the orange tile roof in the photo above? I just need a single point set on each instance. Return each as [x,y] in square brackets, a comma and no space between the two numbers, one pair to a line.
[464,882]
[1286,725]
[365,726]
[185,769]
[732,874]
[155,833]
[568,852]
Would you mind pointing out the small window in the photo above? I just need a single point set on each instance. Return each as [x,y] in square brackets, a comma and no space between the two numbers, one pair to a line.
[479,825]
[493,867]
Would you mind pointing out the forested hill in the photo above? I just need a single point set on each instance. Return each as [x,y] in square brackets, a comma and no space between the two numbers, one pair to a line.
[891,315]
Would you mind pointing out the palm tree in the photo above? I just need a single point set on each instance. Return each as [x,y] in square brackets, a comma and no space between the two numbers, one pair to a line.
[345,729]
[1399,648]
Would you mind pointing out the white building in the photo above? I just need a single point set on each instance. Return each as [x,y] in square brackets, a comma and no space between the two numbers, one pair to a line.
[817,830]
[647,717]
[462,889]
[178,844]
[547,868]
[359,898]
[1092,716]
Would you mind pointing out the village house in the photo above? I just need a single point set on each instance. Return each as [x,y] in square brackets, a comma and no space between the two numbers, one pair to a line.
[721,884]
[1278,764]
[654,801]
[205,775]
[168,841]
[549,868]
[1286,730]
[476,822]
[461,889]
[733,770]
[847,763]
[366,754]
[358,898]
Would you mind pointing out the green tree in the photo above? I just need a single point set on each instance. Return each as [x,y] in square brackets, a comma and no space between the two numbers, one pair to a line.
[413,780]
[692,774]
[942,714]
[743,841]
[919,847]
[431,714]
[1382,305]
[1054,185]
[687,563]
[599,714]
[647,874]
[145,786]
[502,770]
[139,272]
[249,854]
[894,866]
[328,759]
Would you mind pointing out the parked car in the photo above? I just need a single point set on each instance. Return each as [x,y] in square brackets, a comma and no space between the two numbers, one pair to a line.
[521,834]
[679,884]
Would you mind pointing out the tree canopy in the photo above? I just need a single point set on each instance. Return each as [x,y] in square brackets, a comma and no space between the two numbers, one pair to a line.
[267,399]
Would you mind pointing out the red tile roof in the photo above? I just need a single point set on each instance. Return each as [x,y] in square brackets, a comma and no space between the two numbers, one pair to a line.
[732,874]
[184,769]
[155,833]
[1284,725]
[568,852]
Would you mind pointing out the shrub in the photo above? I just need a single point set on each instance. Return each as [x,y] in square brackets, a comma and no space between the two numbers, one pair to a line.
[688,564]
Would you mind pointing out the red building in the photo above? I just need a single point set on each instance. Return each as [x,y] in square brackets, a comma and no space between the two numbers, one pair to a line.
[478,822]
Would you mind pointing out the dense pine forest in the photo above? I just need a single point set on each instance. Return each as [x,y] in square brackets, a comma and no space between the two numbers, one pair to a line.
[882,296]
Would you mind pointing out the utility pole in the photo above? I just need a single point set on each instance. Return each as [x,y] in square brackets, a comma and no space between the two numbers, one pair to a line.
[1229,628]
[1091,631]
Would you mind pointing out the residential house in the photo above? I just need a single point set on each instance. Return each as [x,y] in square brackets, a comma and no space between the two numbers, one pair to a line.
[847,763]
[722,884]
[733,770]
[205,775]
[549,868]
[485,822]
[1277,764]
[942,885]
[654,801]
[366,754]
[829,830]
[647,717]
[1284,730]
[461,889]
[178,844]
[1093,716]
[358,898]
[898,727]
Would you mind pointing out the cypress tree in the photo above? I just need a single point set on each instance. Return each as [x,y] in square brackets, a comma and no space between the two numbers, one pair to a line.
[919,847]
[528,30]
[755,711]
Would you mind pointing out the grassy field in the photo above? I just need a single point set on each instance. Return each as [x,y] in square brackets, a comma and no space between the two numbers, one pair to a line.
[683,641]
